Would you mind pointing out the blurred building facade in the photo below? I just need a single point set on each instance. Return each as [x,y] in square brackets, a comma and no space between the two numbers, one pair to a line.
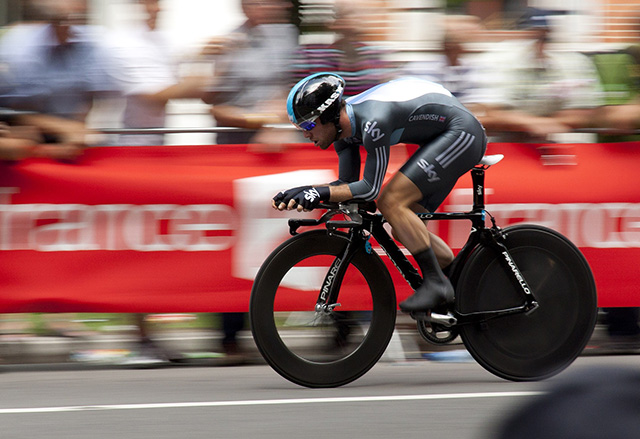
[399,22]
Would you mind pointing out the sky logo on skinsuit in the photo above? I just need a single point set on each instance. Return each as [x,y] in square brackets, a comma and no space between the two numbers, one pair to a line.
[375,133]
[429,169]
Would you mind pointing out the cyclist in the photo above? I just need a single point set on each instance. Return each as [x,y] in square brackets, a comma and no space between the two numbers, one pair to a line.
[406,110]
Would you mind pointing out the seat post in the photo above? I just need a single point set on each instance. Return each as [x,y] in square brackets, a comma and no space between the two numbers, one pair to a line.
[477,177]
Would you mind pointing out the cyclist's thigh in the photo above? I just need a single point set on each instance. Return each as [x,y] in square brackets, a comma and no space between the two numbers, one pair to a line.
[402,190]
[436,166]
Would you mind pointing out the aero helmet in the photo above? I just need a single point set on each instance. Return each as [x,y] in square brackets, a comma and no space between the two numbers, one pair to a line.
[316,96]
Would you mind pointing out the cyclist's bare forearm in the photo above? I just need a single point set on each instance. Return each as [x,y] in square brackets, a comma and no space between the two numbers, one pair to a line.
[340,193]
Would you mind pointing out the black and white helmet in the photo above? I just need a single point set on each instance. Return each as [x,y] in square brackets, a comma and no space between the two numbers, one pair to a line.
[316,96]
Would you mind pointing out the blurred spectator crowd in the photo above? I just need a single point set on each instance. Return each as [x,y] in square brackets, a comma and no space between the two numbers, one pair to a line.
[57,72]
[60,75]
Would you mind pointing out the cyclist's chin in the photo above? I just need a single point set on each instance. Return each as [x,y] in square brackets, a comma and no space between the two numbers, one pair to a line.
[322,145]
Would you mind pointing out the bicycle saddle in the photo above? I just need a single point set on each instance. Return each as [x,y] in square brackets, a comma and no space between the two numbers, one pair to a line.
[490,160]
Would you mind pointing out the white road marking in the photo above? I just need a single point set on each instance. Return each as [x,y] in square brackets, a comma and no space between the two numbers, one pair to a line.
[263,402]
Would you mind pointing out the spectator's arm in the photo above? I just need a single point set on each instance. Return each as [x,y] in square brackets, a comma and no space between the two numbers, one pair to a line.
[12,147]
[579,117]
[499,119]
[230,116]
[66,130]
[70,136]
[621,117]
[192,87]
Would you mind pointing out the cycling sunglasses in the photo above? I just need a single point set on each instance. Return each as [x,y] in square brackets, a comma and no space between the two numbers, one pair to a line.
[307,125]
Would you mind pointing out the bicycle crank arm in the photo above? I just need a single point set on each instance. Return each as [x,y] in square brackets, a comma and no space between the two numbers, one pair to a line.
[447,320]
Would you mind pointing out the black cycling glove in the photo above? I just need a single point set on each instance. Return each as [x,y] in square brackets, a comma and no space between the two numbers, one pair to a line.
[311,197]
[286,196]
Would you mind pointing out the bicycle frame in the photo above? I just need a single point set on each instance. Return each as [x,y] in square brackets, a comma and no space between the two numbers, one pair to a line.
[363,224]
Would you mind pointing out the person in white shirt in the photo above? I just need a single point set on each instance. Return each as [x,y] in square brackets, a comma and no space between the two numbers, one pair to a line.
[146,71]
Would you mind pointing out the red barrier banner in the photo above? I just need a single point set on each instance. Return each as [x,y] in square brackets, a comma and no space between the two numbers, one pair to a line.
[185,228]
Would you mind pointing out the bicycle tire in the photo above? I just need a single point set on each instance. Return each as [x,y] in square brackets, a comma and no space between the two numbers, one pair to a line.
[540,344]
[311,353]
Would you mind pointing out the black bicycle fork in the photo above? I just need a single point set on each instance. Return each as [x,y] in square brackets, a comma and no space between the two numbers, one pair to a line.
[328,297]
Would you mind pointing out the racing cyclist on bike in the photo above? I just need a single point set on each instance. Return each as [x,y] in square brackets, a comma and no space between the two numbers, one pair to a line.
[406,110]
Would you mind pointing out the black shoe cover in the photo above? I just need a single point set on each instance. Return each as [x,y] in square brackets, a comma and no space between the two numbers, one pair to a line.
[436,289]
[429,295]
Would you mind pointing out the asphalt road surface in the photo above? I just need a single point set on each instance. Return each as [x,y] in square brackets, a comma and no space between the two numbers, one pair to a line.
[412,399]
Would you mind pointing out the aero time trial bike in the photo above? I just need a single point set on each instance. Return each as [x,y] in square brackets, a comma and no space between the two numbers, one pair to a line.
[323,305]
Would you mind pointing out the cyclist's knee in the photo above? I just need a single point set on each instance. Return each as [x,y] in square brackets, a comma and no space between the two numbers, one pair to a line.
[387,202]
[391,199]
[399,193]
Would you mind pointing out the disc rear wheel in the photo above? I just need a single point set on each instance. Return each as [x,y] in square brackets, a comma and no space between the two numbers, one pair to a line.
[539,344]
